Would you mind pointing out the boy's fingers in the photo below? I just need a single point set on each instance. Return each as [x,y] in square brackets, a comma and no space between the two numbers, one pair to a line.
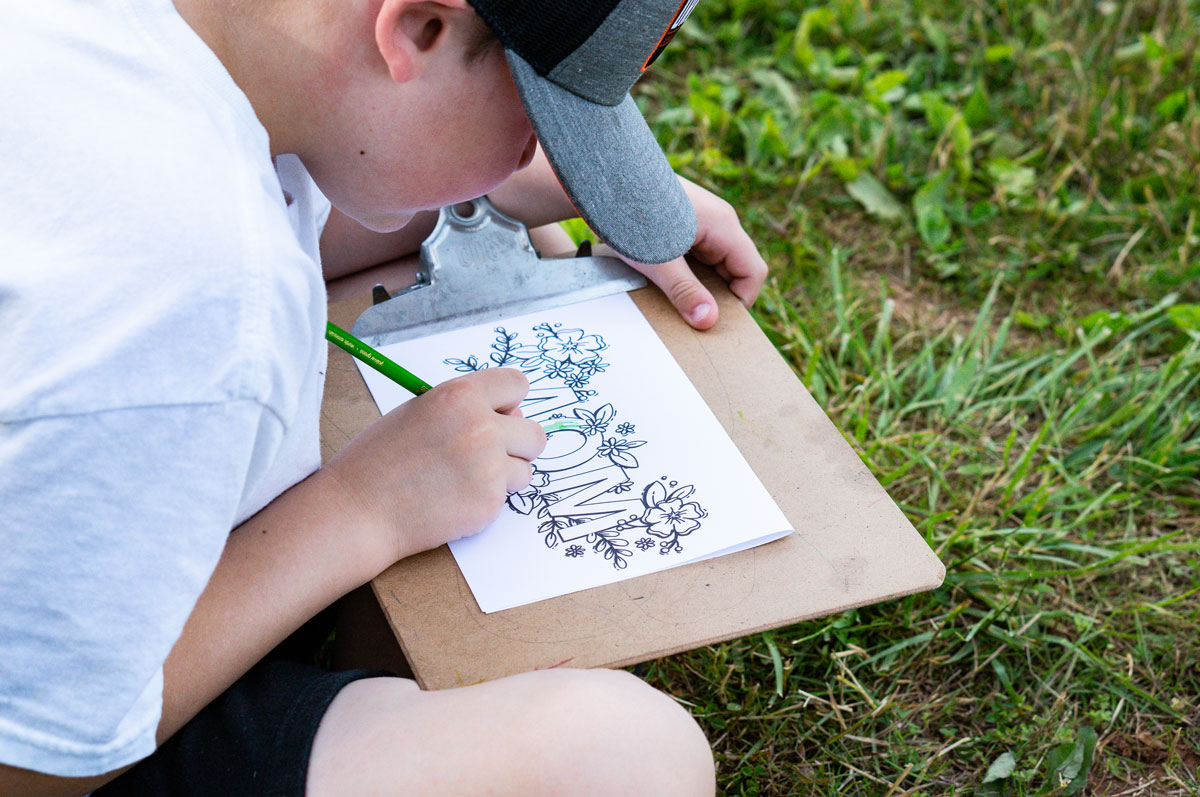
[736,258]
[746,288]
[690,298]
[505,388]
[723,243]
[520,472]
[526,439]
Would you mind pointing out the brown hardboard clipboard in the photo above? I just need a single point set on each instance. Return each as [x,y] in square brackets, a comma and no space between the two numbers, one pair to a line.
[852,545]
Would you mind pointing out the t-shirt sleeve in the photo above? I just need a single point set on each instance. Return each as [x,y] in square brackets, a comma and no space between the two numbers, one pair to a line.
[111,524]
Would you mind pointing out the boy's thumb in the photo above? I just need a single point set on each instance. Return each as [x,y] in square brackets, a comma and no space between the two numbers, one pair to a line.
[690,298]
[676,280]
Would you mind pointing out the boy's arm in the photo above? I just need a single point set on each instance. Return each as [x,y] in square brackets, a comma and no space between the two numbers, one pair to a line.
[278,568]
[367,508]
[433,470]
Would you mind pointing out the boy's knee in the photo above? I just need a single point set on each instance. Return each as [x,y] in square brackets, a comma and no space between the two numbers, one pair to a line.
[614,725]
[545,732]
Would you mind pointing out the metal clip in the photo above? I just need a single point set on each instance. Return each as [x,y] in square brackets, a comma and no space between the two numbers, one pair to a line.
[479,266]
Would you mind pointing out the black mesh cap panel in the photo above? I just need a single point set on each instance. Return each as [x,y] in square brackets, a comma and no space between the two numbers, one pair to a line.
[546,31]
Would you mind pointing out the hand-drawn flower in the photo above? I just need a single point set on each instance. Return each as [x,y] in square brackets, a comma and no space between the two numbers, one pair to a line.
[645,543]
[622,487]
[593,367]
[670,515]
[573,551]
[625,428]
[556,369]
[673,518]
[577,380]
[618,451]
[594,422]
[571,345]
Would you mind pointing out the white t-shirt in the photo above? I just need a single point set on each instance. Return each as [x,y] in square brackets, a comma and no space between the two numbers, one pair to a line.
[161,359]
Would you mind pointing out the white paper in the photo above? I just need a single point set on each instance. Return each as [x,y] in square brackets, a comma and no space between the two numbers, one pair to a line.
[649,479]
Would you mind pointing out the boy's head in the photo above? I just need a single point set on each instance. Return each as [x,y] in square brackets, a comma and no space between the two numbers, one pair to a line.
[394,106]
[415,104]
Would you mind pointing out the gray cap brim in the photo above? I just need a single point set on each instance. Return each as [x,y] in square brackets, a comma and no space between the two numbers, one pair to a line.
[611,168]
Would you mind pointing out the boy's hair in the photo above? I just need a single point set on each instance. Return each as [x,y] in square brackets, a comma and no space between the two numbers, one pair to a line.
[480,40]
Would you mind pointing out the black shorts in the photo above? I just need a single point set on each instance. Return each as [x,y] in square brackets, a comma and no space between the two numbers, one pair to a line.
[254,739]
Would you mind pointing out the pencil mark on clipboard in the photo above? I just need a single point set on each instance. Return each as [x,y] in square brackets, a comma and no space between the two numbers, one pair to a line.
[832,566]
[727,401]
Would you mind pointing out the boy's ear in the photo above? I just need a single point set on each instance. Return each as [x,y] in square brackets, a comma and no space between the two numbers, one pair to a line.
[408,31]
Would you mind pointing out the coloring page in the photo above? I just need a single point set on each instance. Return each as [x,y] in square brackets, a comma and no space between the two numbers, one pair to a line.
[637,475]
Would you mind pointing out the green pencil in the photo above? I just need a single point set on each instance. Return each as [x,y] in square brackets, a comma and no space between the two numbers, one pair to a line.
[393,371]
[344,340]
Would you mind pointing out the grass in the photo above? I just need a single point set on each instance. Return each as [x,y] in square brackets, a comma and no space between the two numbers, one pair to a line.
[982,224]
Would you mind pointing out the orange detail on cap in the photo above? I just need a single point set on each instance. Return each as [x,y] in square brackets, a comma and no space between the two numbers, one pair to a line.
[668,34]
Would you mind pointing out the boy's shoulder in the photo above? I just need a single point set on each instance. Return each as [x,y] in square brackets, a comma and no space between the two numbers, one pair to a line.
[105,109]
[142,215]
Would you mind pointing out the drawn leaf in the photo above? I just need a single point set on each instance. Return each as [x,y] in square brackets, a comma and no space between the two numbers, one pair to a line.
[555,524]
[632,443]
[624,459]
[502,347]
[526,352]
[654,494]
[521,502]
[552,540]
[612,545]
[466,366]
[682,492]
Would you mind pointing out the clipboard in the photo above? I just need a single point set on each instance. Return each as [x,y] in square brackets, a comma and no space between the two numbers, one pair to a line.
[852,546]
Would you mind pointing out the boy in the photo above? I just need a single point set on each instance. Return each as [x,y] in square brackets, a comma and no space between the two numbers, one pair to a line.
[164,304]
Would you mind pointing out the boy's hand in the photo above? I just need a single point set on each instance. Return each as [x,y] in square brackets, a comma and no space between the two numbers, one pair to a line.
[721,243]
[439,467]
[535,196]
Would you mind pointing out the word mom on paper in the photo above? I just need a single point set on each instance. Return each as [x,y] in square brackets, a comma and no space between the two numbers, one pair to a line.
[584,488]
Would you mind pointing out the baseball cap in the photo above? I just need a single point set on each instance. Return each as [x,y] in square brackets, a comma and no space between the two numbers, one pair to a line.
[574,62]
